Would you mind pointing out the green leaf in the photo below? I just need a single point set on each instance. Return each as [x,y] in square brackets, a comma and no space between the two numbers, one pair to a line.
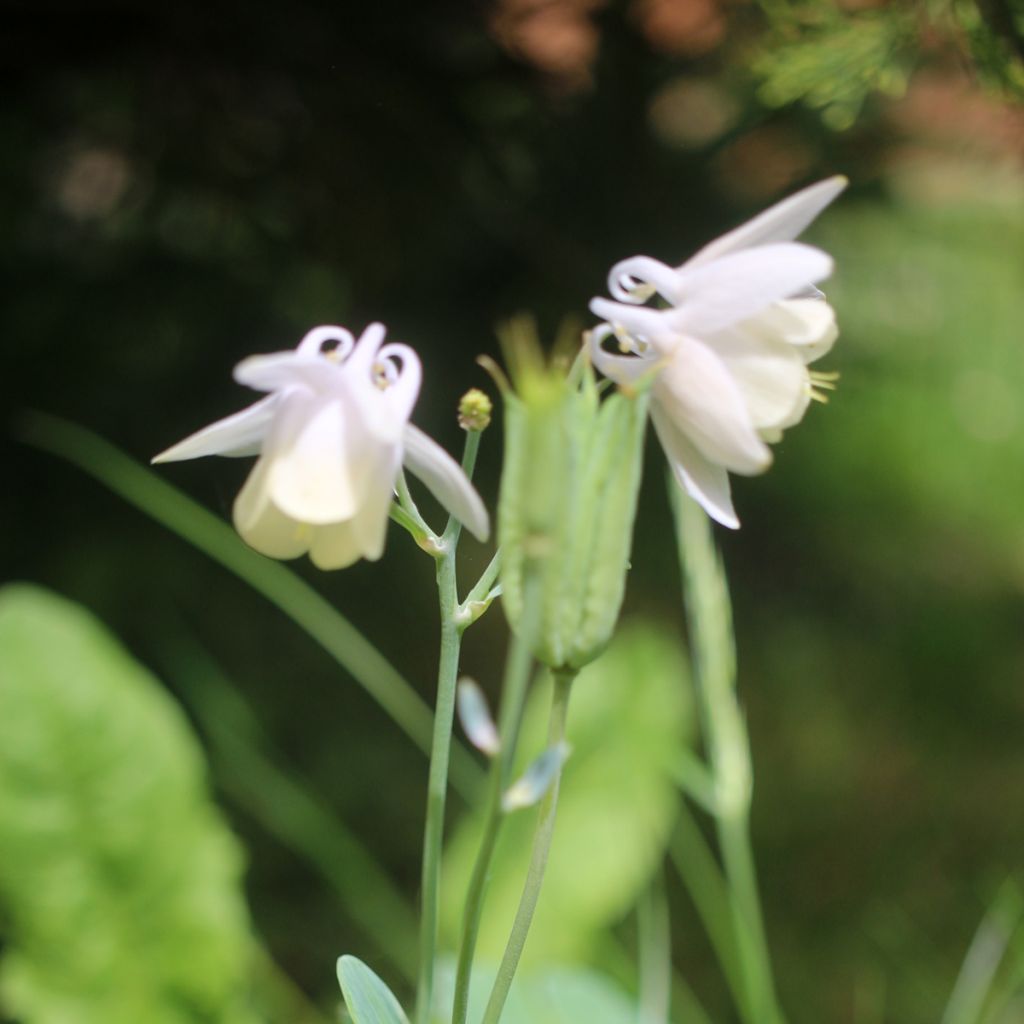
[562,995]
[119,883]
[368,999]
[627,724]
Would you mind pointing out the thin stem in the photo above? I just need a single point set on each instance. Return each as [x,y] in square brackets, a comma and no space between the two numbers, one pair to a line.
[697,867]
[517,677]
[482,587]
[655,954]
[710,618]
[444,718]
[538,860]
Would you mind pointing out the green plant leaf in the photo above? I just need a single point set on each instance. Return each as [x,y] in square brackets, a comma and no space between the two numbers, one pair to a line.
[119,883]
[561,995]
[368,999]
[627,724]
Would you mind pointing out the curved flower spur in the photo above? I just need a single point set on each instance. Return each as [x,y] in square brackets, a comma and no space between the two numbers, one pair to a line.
[332,436]
[731,350]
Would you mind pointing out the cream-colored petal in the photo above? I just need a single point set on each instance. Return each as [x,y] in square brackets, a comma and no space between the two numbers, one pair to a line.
[370,524]
[770,374]
[236,435]
[446,481]
[698,394]
[807,324]
[705,482]
[779,223]
[317,460]
[335,546]
[262,525]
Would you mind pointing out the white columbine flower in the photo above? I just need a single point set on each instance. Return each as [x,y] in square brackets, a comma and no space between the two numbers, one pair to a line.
[331,436]
[730,353]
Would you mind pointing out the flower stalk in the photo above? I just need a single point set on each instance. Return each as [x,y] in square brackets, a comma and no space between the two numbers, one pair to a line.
[563,680]
[728,750]
[444,716]
[517,677]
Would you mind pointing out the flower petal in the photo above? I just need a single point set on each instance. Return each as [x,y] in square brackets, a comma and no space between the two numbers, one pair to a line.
[779,223]
[648,332]
[698,394]
[620,368]
[446,481]
[318,460]
[239,434]
[770,374]
[370,524]
[721,293]
[705,482]
[282,370]
[335,546]
[262,525]
[807,324]
[637,278]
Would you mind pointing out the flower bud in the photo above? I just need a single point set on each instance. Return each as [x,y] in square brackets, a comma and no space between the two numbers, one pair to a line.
[567,501]
[475,410]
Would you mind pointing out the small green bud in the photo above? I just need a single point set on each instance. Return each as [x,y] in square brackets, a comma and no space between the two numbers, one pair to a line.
[567,501]
[475,410]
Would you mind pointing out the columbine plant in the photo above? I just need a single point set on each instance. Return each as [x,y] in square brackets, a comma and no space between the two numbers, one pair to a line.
[721,367]
[730,351]
[331,438]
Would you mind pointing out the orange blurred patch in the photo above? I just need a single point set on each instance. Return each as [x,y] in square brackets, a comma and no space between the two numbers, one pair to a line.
[685,28]
[558,37]
[764,162]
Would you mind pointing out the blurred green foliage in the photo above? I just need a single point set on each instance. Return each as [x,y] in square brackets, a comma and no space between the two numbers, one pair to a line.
[629,721]
[834,56]
[119,882]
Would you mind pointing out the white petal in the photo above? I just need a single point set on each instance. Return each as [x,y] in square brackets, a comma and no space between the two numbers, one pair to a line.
[654,329]
[619,368]
[370,524]
[335,546]
[314,342]
[780,223]
[770,374]
[239,434]
[262,525]
[733,288]
[645,271]
[696,391]
[281,370]
[387,410]
[808,324]
[705,482]
[318,460]
[446,481]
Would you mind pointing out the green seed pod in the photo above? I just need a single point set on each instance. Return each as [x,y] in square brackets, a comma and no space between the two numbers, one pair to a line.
[567,502]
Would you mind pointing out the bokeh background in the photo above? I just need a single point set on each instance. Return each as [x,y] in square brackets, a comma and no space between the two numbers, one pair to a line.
[186,184]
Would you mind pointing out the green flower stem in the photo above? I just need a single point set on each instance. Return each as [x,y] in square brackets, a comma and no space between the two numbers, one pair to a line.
[697,867]
[728,747]
[513,699]
[483,589]
[444,717]
[563,680]
[655,954]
